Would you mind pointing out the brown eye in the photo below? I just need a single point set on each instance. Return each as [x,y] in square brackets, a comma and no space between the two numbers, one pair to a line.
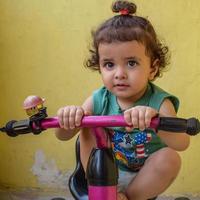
[132,63]
[109,65]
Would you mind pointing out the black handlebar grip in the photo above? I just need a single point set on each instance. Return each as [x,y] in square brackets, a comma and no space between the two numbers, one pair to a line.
[172,124]
[190,126]
[193,126]
[14,128]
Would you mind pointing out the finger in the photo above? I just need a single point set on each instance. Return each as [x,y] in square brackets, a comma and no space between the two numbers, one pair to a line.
[79,116]
[127,118]
[72,114]
[150,113]
[129,129]
[147,119]
[135,118]
[142,119]
[60,117]
[66,118]
[86,112]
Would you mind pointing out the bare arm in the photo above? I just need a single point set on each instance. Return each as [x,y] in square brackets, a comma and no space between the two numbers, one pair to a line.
[63,134]
[177,141]
[140,117]
[87,140]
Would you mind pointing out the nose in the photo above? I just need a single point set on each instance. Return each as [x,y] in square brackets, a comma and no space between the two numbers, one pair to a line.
[120,73]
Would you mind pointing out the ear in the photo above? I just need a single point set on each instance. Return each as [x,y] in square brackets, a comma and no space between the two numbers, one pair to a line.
[154,69]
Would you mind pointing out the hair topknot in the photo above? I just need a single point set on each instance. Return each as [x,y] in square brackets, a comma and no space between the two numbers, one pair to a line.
[119,5]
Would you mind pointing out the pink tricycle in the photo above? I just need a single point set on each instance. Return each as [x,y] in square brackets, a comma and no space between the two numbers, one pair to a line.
[101,177]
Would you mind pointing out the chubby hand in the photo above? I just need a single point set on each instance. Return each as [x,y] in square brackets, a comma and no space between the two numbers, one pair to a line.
[70,117]
[139,117]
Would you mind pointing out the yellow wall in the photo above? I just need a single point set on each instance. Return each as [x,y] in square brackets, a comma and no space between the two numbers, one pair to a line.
[42,47]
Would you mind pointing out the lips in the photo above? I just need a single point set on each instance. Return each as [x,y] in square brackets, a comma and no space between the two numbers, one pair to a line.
[121,86]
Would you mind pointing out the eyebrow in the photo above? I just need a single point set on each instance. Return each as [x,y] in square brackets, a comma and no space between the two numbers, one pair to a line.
[133,57]
[106,59]
[126,58]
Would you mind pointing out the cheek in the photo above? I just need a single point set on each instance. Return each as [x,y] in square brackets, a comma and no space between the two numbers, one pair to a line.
[103,75]
[144,73]
[104,72]
[137,74]
[139,77]
[106,78]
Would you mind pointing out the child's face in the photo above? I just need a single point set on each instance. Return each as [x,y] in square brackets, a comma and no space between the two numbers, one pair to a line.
[125,69]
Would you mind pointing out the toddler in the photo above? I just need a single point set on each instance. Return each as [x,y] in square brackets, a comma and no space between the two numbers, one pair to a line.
[129,57]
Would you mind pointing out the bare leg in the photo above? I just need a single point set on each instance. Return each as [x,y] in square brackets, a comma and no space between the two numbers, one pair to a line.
[159,171]
[87,143]
[121,196]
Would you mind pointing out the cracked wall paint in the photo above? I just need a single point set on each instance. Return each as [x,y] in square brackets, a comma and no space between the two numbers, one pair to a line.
[47,172]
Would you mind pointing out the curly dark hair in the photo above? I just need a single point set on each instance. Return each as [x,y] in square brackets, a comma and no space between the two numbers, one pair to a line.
[128,27]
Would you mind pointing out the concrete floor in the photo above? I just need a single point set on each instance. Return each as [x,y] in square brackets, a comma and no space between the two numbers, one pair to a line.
[9,194]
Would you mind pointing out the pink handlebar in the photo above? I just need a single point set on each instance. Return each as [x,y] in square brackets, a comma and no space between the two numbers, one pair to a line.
[96,121]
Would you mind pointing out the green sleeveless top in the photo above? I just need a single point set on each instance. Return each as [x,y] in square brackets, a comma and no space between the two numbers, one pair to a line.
[132,149]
